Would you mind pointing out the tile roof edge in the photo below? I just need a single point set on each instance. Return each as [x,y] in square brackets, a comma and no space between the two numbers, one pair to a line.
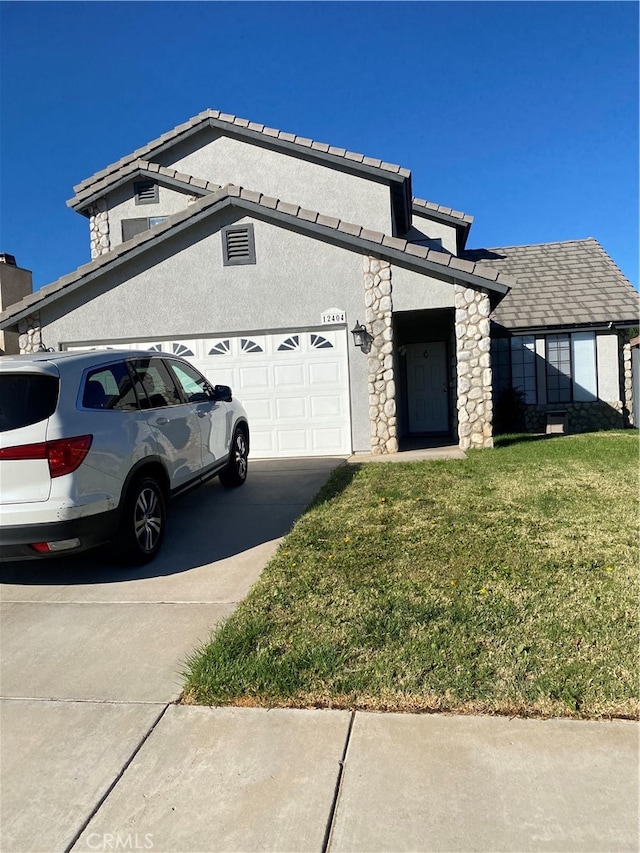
[154,169]
[213,116]
[435,209]
[247,197]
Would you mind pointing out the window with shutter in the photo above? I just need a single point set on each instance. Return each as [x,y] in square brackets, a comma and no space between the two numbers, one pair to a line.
[238,246]
[146,192]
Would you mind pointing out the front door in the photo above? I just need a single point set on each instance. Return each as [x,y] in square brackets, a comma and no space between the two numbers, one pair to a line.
[427,387]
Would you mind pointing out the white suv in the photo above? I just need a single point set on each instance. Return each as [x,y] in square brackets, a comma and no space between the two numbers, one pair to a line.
[93,445]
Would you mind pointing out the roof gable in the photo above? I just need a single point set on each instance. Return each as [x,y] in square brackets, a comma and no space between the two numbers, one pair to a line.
[141,168]
[346,234]
[395,176]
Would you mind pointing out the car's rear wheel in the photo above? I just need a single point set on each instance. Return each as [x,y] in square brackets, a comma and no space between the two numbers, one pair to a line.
[236,471]
[142,523]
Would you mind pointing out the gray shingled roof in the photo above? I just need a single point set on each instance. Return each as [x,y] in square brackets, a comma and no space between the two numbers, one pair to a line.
[214,118]
[560,284]
[141,168]
[422,258]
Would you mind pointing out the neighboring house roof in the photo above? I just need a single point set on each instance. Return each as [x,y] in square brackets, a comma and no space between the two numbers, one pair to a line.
[342,233]
[145,169]
[572,283]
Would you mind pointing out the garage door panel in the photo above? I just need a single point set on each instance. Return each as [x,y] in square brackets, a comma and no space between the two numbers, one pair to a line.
[294,442]
[329,406]
[325,374]
[324,439]
[287,375]
[260,410]
[291,408]
[254,377]
[294,385]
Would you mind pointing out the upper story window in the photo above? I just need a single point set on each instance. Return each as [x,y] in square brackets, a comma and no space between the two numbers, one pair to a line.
[145,192]
[238,245]
[131,227]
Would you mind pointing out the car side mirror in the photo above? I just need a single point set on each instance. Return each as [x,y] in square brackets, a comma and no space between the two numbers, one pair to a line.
[222,393]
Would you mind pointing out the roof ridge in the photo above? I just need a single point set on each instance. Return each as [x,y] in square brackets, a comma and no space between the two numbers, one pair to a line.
[209,116]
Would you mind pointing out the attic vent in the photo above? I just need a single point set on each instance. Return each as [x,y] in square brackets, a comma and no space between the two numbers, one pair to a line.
[238,246]
[146,192]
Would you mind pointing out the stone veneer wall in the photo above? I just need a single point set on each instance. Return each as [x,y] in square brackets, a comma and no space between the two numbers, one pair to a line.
[581,417]
[99,228]
[473,353]
[382,387]
[29,334]
[627,374]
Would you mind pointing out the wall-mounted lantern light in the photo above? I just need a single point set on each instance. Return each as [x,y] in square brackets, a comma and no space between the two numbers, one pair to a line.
[361,337]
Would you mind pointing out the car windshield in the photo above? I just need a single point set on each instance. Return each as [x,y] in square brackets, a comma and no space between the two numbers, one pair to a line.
[25,399]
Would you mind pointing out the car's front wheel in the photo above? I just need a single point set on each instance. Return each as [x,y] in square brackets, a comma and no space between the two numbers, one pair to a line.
[142,523]
[236,471]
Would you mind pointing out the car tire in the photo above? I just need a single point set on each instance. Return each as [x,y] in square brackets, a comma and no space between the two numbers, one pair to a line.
[142,523]
[236,471]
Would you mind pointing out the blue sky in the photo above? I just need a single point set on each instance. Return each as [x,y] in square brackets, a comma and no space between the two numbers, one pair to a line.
[523,114]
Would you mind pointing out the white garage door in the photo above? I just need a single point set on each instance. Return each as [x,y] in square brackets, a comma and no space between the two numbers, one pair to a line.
[294,386]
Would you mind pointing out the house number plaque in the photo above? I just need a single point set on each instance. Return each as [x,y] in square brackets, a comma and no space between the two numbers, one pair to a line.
[333,315]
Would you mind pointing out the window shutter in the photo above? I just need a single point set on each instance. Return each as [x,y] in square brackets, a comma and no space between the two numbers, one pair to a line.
[238,246]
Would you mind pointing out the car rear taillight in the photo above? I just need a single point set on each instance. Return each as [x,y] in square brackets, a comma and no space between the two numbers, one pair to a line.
[64,455]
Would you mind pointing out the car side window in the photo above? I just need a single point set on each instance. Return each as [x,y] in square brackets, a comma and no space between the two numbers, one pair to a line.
[156,386]
[194,386]
[110,388]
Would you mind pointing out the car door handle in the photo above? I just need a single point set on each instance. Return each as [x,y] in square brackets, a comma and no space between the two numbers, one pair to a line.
[202,413]
[162,421]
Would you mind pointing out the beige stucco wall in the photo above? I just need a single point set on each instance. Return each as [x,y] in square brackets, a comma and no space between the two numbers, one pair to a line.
[224,160]
[415,292]
[436,230]
[121,205]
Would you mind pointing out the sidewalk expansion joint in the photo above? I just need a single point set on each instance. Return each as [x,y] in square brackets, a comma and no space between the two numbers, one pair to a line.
[338,788]
[119,776]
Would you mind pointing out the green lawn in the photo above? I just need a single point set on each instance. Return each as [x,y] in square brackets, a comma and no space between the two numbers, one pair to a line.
[503,583]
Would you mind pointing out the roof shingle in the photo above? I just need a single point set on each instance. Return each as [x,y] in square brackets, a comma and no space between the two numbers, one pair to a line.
[559,284]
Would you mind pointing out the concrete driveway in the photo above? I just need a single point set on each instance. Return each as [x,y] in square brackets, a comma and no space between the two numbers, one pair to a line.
[91,654]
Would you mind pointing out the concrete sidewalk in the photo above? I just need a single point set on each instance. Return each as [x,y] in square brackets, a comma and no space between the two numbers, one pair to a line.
[245,779]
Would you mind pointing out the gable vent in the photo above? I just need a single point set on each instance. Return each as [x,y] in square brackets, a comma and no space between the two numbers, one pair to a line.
[146,192]
[238,245]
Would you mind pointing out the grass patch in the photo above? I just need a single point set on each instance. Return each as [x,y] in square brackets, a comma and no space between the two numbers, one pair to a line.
[503,583]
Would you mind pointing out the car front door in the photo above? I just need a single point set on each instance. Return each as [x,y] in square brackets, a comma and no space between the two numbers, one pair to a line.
[212,414]
[174,423]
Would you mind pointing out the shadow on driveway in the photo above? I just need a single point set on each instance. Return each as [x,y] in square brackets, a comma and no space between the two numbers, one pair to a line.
[207,525]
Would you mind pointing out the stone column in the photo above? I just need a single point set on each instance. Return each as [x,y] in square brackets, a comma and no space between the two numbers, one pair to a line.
[628,380]
[473,351]
[29,334]
[382,387]
[99,228]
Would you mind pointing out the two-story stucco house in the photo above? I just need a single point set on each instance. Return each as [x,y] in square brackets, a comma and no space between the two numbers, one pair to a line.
[256,253]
